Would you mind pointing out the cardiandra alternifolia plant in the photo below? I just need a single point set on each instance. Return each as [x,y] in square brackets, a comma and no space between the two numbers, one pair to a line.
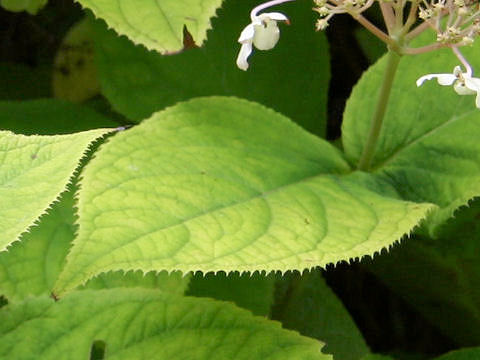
[212,179]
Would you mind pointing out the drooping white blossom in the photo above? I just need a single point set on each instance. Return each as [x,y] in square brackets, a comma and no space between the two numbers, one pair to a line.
[262,32]
[463,82]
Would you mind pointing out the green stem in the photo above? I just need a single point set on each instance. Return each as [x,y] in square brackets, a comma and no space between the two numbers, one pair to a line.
[382,101]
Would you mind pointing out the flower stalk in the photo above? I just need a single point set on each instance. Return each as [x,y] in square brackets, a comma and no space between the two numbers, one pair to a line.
[393,59]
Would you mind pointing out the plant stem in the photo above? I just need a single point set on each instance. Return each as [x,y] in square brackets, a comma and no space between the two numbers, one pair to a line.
[393,59]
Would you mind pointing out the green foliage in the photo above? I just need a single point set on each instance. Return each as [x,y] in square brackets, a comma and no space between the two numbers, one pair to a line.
[158,25]
[228,199]
[252,292]
[17,81]
[49,117]
[155,324]
[75,78]
[31,266]
[427,272]
[293,85]
[35,170]
[425,135]
[219,197]
[463,354]
[376,357]
[31,6]
[308,305]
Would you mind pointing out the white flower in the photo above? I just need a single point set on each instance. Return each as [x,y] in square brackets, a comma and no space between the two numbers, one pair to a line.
[262,32]
[463,82]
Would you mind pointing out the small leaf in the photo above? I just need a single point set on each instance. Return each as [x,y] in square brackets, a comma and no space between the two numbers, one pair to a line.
[35,171]
[158,25]
[31,6]
[223,184]
[144,324]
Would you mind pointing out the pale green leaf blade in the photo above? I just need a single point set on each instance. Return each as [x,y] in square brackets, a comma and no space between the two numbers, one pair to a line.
[309,306]
[31,6]
[145,324]
[427,132]
[35,171]
[292,78]
[252,292]
[201,186]
[31,266]
[158,25]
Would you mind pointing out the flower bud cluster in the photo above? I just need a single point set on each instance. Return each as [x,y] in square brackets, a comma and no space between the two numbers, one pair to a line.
[327,8]
[457,22]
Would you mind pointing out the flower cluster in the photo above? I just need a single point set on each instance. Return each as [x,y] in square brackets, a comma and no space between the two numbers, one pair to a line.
[462,22]
[327,8]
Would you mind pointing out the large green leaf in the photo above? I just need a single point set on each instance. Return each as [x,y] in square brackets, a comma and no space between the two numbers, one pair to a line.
[441,276]
[312,308]
[292,78]
[35,170]
[428,147]
[252,292]
[144,324]
[31,6]
[158,25]
[224,184]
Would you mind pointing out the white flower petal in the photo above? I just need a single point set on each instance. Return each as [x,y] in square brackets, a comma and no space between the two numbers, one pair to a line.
[266,37]
[442,79]
[477,101]
[472,83]
[274,16]
[247,34]
[461,89]
[446,79]
[244,53]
